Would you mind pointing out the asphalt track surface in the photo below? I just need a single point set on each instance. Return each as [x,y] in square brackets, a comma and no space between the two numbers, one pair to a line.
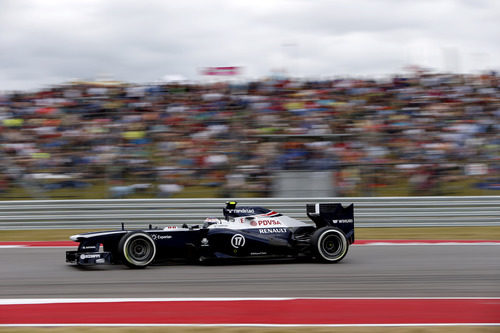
[367,271]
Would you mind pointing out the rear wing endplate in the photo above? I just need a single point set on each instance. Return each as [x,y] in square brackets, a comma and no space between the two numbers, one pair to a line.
[333,214]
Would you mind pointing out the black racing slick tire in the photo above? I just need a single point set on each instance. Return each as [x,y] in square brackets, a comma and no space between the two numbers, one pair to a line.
[137,249]
[329,244]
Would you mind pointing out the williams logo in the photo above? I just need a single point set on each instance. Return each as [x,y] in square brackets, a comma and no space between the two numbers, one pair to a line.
[238,241]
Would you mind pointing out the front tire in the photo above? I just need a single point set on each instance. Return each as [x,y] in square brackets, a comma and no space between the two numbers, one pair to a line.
[137,249]
[329,244]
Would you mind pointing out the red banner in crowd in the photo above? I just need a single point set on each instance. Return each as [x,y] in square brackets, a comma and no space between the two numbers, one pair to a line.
[231,70]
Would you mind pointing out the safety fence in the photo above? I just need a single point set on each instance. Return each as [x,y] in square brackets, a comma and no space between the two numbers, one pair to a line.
[369,211]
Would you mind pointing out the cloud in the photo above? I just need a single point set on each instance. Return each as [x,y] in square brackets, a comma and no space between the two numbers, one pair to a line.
[49,42]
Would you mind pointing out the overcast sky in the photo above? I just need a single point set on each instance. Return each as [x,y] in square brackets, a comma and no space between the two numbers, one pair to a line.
[46,42]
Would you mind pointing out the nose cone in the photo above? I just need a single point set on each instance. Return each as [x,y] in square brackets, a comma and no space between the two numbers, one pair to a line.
[74,238]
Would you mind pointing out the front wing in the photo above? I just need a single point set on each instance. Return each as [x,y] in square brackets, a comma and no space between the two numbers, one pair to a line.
[88,258]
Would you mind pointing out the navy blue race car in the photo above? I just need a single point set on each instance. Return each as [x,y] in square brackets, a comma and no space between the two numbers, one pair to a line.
[243,233]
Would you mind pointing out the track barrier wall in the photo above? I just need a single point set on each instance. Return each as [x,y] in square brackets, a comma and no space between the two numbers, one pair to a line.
[368,211]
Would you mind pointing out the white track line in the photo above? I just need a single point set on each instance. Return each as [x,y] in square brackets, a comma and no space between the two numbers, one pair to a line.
[20,301]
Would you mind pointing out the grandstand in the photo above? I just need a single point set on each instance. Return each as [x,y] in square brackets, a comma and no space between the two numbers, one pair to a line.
[424,134]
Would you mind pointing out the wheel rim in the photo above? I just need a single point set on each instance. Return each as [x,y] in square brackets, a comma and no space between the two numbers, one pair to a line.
[139,251]
[332,245]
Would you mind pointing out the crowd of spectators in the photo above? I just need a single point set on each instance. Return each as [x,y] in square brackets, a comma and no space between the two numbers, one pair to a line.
[423,128]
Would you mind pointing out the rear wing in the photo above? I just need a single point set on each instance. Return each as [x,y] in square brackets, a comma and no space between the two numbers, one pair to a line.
[335,215]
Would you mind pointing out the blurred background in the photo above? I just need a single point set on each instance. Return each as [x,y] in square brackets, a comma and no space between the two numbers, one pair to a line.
[425,134]
[248,99]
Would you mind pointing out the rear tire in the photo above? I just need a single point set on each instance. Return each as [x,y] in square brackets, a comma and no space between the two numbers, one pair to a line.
[329,244]
[137,249]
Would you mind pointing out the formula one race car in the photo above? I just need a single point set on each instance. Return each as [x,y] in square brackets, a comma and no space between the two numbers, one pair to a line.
[243,233]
